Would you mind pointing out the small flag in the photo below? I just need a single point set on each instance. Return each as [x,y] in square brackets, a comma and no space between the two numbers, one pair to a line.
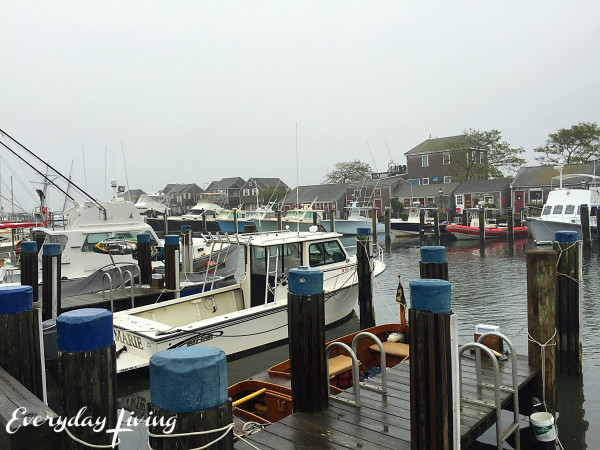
[400,298]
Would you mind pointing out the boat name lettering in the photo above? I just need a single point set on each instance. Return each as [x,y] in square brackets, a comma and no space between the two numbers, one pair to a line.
[128,339]
[199,338]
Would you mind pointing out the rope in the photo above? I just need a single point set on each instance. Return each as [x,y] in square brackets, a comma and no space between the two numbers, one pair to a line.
[396,316]
[543,356]
[226,429]
[578,281]
[76,439]
[247,442]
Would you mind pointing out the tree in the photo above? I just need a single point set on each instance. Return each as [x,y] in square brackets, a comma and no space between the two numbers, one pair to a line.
[272,194]
[574,145]
[479,155]
[348,172]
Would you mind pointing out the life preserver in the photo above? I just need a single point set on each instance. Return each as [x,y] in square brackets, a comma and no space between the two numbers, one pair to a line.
[18,246]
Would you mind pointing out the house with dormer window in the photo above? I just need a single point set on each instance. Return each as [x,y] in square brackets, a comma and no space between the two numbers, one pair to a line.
[230,188]
[253,192]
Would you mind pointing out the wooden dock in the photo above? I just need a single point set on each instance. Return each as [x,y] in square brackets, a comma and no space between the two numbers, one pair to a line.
[384,422]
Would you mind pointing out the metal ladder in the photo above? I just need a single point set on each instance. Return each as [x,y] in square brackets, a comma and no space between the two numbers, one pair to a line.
[122,273]
[355,375]
[501,434]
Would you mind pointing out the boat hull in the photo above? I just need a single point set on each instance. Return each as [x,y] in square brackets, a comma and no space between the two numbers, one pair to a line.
[228,226]
[348,227]
[466,232]
[543,231]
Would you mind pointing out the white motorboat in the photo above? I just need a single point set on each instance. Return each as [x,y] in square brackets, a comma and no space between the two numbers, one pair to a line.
[411,226]
[251,314]
[561,212]
[153,204]
[357,216]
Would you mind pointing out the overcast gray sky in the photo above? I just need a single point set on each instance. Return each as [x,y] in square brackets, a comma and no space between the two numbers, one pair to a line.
[194,91]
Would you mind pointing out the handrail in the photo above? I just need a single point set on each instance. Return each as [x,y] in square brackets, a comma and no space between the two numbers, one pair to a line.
[383,360]
[104,276]
[355,378]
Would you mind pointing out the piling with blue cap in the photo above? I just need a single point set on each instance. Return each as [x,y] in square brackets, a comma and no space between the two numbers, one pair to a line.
[433,262]
[569,354]
[171,261]
[20,353]
[306,330]
[365,278]
[187,253]
[144,257]
[87,367]
[433,348]
[51,280]
[29,267]
[586,230]
[188,385]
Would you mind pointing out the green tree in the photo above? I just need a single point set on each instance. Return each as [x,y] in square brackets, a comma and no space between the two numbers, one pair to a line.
[479,155]
[347,172]
[272,194]
[574,145]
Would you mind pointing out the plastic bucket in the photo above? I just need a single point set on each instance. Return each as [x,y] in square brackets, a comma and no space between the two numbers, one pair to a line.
[543,426]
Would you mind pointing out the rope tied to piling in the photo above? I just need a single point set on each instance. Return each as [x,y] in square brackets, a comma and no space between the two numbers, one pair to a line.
[543,346]
[79,441]
[226,429]
[562,250]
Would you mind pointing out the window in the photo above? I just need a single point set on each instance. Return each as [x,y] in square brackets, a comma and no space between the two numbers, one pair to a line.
[446,159]
[250,183]
[447,180]
[377,192]
[546,210]
[179,199]
[570,209]
[246,192]
[188,195]
[255,191]
[535,197]
[557,209]
[460,199]
[414,181]
[474,156]
[92,239]
[425,181]
[356,194]
[425,161]
[325,253]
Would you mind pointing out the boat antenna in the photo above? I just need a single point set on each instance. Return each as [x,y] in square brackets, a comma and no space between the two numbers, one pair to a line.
[68,186]
[3,133]
[126,178]
[84,172]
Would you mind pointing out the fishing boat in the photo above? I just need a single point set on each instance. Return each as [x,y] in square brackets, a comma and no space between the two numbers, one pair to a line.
[357,215]
[153,204]
[203,213]
[249,315]
[411,226]
[562,210]
[227,220]
[300,219]
[491,229]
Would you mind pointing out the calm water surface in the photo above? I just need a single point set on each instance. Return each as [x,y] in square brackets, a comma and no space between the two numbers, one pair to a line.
[488,286]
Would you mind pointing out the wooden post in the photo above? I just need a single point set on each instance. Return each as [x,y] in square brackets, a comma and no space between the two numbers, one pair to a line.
[433,262]
[20,349]
[332,219]
[39,238]
[374,223]
[187,249]
[436,225]
[541,320]
[510,222]
[279,220]
[388,232]
[203,213]
[306,329]
[87,366]
[434,391]
[188,394]
[249,228]
[144,258]
[172,262]
[465,217]
[51,259]
[315,218]
[166,221]
[585,226]
[365,278]
[481,226]
[569,359]
[421,224]
[598,224]
[29,267]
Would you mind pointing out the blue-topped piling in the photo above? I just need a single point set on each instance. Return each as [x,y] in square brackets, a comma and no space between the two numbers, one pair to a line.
[586,231]
[20,352]
[306,330]
[365,278]
[433,262]
[434,399]
[88,371]
[144,258]
[171,262]
[569,348]
[187,253]
[29,267]
[51,280]
[188,389]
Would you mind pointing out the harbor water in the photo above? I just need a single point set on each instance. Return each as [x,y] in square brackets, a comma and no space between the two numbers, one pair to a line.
[488,286]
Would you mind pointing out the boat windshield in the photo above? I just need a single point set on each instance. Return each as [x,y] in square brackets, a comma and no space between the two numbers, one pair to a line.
[547,210]
[557,209]
[323,253]
[570,209]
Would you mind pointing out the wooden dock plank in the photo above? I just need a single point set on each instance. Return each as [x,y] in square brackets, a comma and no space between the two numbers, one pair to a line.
[384,422]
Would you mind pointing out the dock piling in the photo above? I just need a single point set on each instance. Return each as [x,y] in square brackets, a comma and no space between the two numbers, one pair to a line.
[434,390]
[306,329]
[436,226]
[541,321]
[433,262]
[374,224]
[144,258]
[172,262]
[29,268]
[332,219]
[421,225]
[388,232]
[187,252]
[51,276]
[279,220]
[481,226]
[188,397]
[510,222]
[365,278]
[569,359]
[88,373]
[586,233]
